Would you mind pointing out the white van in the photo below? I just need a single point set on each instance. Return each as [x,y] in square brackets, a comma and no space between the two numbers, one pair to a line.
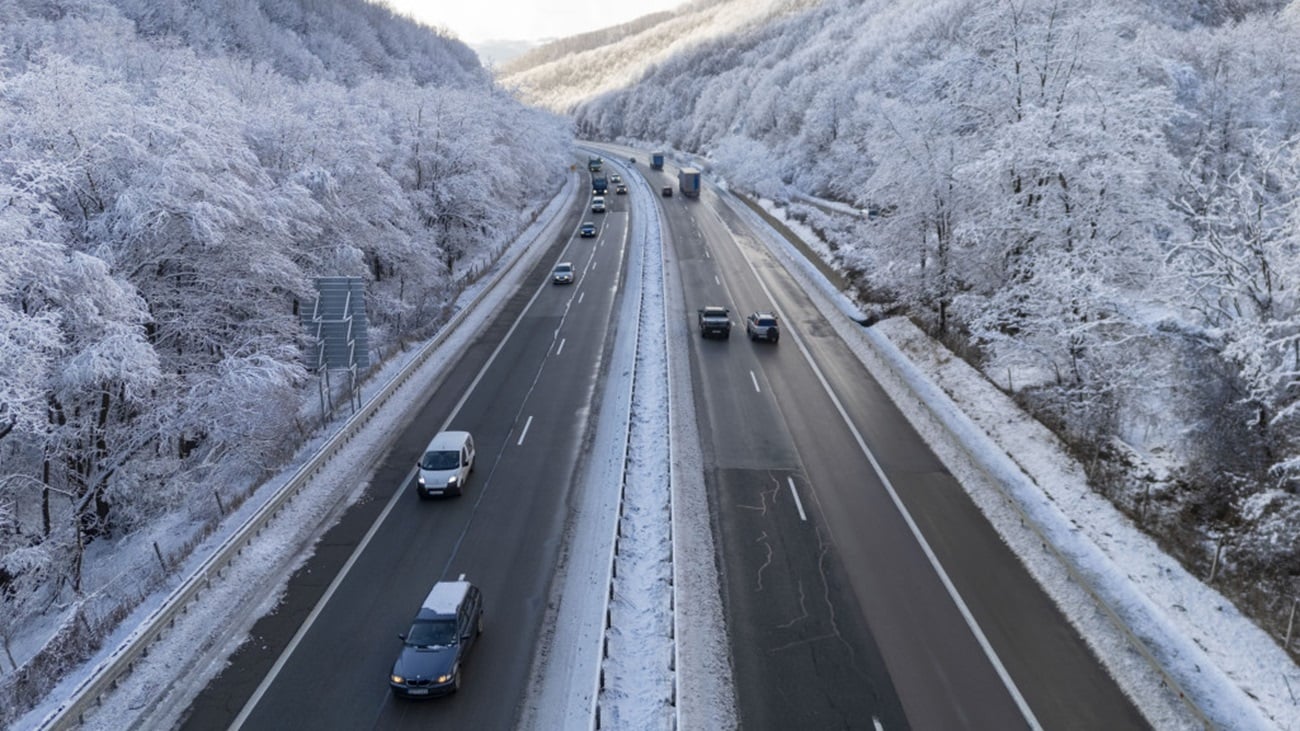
[446,464]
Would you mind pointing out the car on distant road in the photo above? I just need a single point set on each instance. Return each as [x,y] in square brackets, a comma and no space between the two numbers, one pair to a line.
[763,326]
[620,189]
[563,273]
[667,191]
[588,230]
[441,636]
[615,178]
[598,204]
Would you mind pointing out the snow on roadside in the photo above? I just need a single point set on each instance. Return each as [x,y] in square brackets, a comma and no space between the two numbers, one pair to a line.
[666,587]
[1232,670]
[639,677]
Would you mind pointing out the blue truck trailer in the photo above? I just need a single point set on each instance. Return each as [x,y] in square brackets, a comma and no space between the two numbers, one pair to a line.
[656,161]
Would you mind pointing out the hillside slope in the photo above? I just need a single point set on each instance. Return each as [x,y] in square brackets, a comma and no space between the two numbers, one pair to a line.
[562,74]
[175,176]
[1096,205]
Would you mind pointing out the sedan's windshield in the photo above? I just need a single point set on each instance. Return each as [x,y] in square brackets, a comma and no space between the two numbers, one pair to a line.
[445,460]
[430,633]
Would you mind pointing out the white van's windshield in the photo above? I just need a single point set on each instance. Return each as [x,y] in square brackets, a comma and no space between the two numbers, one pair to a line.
[444,460]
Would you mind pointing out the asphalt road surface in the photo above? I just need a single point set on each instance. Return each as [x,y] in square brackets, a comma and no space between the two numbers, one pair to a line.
[527,385]
[839,616]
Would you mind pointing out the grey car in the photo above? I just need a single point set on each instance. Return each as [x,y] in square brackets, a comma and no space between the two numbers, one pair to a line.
[763,326]
[563,273]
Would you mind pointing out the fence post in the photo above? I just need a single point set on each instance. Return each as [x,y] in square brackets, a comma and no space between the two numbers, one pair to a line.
[1290,625]
[1214,567]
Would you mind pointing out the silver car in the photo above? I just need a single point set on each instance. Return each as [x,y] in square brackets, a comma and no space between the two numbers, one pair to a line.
[563,273]
[763,326]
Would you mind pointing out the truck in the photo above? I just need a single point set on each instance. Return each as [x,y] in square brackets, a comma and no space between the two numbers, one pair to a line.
[689,181]
[714,320]
[599,185]
[656,161]
[594,164]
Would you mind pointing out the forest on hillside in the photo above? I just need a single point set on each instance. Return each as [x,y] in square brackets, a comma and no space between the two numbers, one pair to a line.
[173,176]
[1096,203]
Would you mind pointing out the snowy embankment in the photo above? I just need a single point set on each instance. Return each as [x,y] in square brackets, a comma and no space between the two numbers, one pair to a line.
[1160,631]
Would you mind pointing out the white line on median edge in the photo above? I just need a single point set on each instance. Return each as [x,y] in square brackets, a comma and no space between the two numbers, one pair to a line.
[797,502]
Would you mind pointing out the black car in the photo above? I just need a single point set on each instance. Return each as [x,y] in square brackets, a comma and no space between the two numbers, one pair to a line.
[620,189]
[587,231]
[435,647]
[668,191]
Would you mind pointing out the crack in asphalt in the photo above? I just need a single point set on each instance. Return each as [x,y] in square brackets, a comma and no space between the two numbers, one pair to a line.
[767,562]
[803,606]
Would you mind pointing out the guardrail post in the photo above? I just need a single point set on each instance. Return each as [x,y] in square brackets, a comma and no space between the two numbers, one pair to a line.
[1214,565]
[1290,625]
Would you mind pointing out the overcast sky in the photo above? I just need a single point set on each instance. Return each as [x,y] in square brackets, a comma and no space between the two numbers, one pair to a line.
[474,21]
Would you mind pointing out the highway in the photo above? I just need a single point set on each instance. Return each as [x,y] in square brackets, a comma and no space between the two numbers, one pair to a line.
[862,587]
[523,389]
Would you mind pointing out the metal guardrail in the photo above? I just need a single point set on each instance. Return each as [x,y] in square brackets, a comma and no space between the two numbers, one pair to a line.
[122,661]
[612,573]
[606,614]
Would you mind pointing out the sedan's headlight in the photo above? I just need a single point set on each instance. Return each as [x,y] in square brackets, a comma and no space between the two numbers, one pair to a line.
[397,679]
[444,678]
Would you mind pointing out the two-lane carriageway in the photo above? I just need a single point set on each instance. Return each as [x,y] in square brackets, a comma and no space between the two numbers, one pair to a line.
[524,390]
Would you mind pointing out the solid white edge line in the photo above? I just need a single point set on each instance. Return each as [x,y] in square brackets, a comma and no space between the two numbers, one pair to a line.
[965,612]
[797,502]
[524,433]
[306,626]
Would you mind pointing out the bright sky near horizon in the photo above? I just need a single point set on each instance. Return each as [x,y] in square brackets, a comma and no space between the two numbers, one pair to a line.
[475,21]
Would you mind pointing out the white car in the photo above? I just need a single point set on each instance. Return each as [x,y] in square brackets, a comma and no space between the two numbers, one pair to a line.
[598,204]
[446,464]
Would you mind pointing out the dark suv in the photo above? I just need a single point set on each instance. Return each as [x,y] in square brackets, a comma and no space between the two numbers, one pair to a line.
[433,650]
